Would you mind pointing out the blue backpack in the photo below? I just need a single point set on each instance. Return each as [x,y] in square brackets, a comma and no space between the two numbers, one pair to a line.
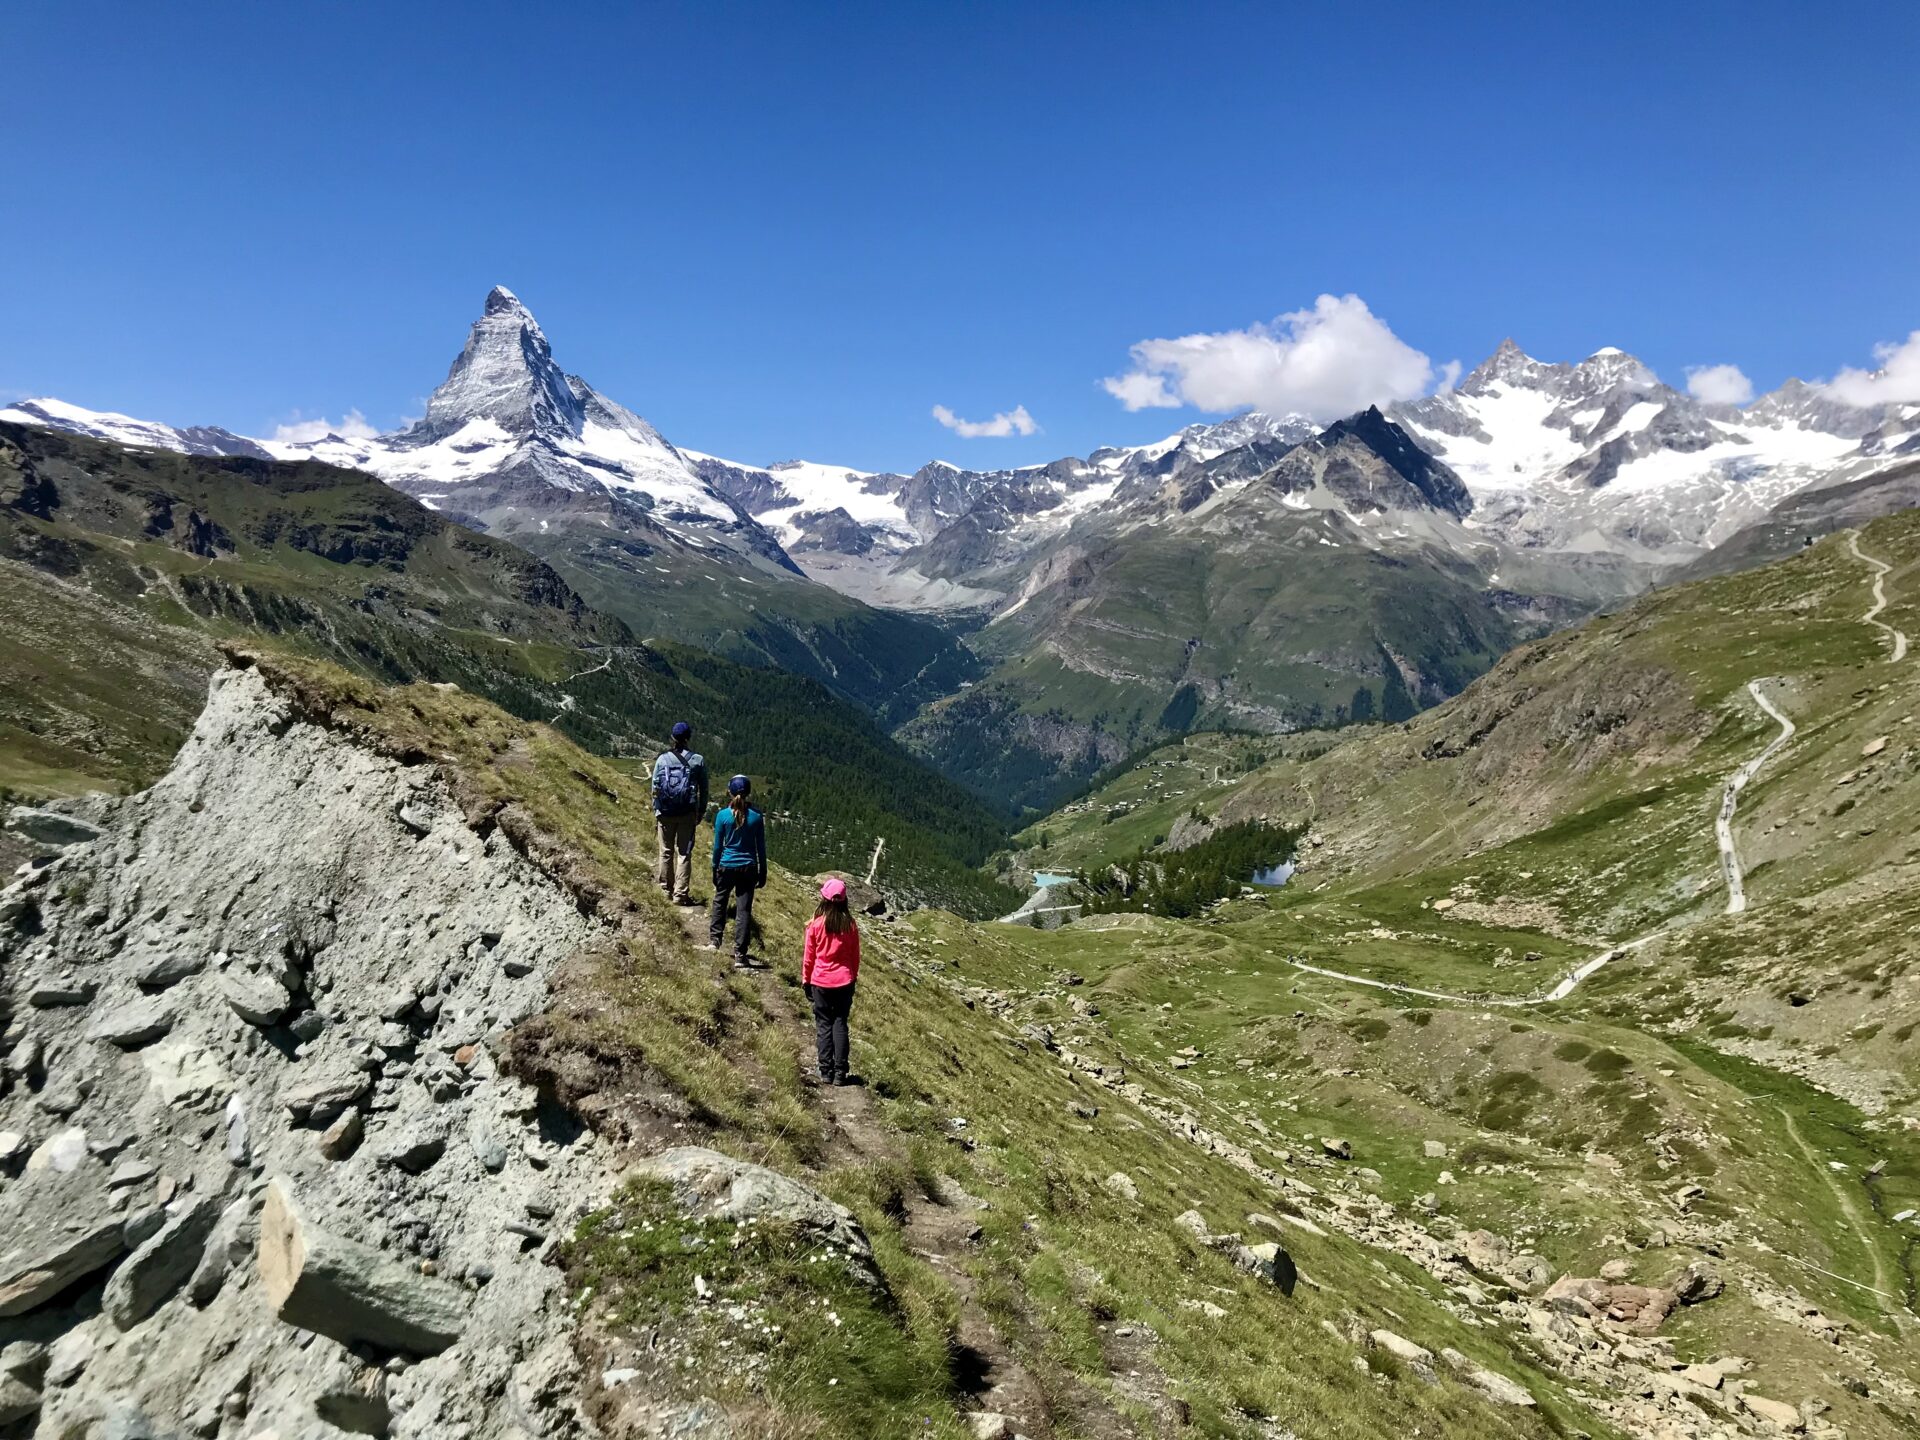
[677,792]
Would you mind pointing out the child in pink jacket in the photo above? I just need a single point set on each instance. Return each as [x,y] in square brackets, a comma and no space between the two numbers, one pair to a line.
[829,966]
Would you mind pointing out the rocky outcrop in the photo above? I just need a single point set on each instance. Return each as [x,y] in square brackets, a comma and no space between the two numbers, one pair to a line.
[291,958]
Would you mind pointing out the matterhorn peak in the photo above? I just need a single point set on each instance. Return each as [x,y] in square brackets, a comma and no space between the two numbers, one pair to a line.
[505,374]
[501,300]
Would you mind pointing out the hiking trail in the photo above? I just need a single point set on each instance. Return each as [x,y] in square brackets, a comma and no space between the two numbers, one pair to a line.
[1730,802]
[1881,569]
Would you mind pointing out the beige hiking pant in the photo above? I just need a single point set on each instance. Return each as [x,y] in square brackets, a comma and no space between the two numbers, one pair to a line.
[676,854]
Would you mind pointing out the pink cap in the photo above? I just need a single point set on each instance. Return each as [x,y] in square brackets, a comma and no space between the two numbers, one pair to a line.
[835,889]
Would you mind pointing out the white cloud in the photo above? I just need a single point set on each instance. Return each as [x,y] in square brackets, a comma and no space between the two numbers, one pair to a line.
[1008,422]
[1719,384]
[351,426]
[1449,376]
[1325,362]
[1897,380]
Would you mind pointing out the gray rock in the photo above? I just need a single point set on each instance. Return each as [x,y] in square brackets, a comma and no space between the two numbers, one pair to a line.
[342,1137]
[234,1236]
[133,1023]
[1491,1383]
[50,1261]
[180,1072]
[256,999]
[24,1360]
[1121,1186]
[13,1149]
[1698,1283]
[239,1135]
[320,1101]
[170,969]
[50,828]
[18,1400]
[1401,1348]
[708,1184]
[489,1150]
[62,994]
[61,1153]
[150,1276]
[130,1172]
[1338,1149]
[63,1096]
[347,1291]
[1434,1149]
[415,1149]
[70,1356]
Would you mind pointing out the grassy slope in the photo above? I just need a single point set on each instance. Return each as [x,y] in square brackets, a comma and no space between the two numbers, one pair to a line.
[661,1043]
[1566,802]
[111,618]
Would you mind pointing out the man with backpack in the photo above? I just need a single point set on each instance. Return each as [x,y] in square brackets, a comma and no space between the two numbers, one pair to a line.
[679,800]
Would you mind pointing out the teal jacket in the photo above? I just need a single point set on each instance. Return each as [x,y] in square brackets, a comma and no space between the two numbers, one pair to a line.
[740,846]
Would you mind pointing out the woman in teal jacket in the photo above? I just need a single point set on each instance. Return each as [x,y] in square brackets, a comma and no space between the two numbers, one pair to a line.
[739,867]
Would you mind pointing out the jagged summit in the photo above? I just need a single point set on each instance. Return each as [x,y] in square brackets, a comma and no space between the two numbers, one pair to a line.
[501,298]
[505,374]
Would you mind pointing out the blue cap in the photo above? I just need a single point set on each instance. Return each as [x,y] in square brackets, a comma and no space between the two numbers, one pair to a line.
[739,785]
[682,730]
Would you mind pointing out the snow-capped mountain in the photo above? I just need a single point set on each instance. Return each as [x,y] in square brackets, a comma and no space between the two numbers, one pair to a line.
[1602,455]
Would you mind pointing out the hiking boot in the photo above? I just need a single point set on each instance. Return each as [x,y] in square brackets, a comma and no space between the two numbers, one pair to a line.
[749,962]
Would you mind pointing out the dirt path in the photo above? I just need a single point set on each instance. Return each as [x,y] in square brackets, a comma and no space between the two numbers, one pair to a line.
[1568,984]
[1730,801]
[567,701]
[1880,571]
[1855,1221]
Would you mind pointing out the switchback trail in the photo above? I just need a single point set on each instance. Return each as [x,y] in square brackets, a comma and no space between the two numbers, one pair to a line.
[1880,571]
[567,701]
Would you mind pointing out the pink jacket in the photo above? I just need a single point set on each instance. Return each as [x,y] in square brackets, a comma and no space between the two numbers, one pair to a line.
[829,960]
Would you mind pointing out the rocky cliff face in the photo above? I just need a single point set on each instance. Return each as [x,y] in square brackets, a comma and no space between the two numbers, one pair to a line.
[273,986]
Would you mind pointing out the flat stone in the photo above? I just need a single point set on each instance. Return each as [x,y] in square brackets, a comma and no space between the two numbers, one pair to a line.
[1338,1149]
[179,1071]
[170,969]
[239,1134]
[1775,1412]
[50,827]
[1120,1185]
[1491,1383]
[62,994]
[150,1276]
[132,1172]
[70,1355]
[347,1291]
[1434,1149]
[13,1145]
[133,1023]
[256,999]
[1401,1347]
[56,1264]
[320,1101]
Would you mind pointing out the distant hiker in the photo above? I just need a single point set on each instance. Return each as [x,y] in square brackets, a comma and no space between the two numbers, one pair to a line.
[739,866]
[829,966]
[679,800]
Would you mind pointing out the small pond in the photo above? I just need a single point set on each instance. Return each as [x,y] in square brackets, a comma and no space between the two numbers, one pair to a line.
[1278,875]
[1044,878]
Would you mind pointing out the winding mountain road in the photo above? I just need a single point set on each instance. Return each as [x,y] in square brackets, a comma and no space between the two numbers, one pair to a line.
[567,702]
[1872,617]
[1723,834]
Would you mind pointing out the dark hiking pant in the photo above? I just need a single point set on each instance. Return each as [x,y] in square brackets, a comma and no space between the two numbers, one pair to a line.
[739,884]
[832,1004]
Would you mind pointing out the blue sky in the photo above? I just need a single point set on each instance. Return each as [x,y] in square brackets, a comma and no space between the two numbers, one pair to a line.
[779,231]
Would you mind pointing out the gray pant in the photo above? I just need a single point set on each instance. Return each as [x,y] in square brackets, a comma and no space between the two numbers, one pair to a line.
[675,872]
[832,1004]
[740,885]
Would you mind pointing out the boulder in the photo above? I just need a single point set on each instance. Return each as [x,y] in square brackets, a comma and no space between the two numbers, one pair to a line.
[1338,1149]
[234,1235]
[179,1071]
[347,1291]
[320,1101]
[61,994]
[61,1153]
[50,828]
[415,1149]
[342,1137]
[1270,1262]
[133,1023]
[1775,1412]
[18,1400]
[1434,1149]
[1401,1348]
[256,999]
[150,1276]
[1491,1383]
[1696,1284]
[1486,1250]
[1120,1185]
[989,1425]
[171,968]
[707,1184]
[47,1258]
